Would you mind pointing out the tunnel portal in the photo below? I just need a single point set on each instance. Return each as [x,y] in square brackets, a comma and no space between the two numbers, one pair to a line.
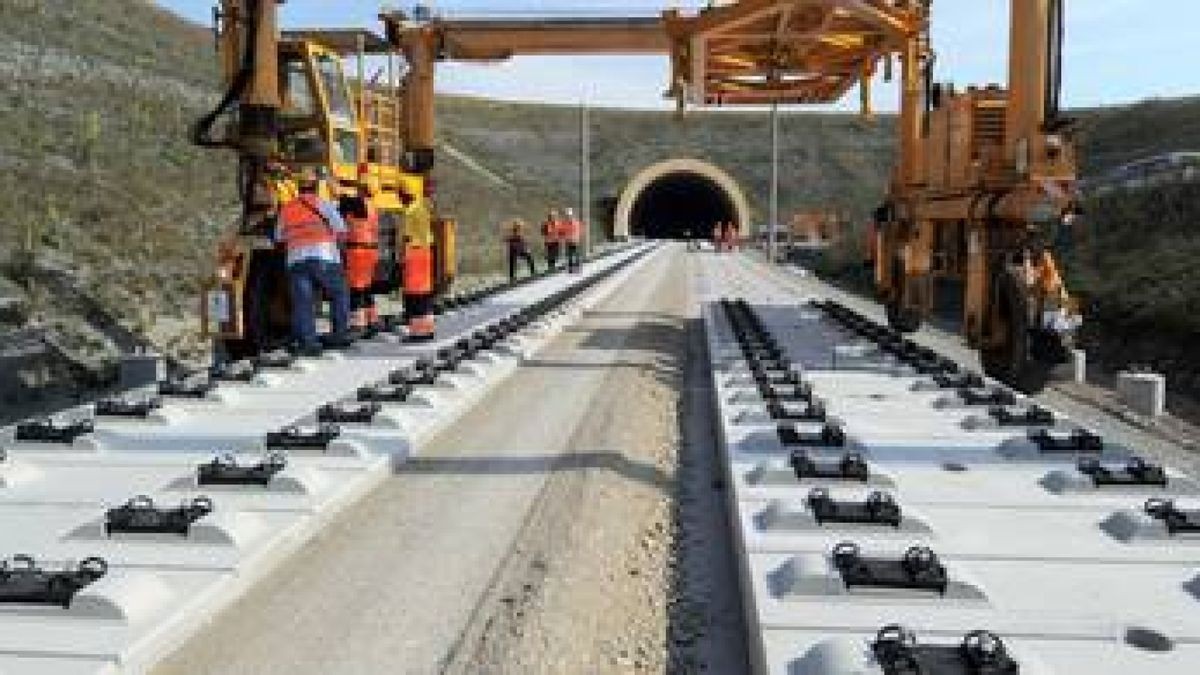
[679,206]
[673,199]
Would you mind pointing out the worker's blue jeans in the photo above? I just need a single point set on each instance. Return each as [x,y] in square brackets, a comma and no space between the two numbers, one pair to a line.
[307,278]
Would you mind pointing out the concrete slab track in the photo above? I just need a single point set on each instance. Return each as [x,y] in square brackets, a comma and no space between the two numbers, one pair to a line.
[410,579]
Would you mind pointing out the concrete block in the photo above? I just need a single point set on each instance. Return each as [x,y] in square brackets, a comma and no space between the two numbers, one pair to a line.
[1145,393]
[219,528]
[290,481]
[1078,365]
[812,576]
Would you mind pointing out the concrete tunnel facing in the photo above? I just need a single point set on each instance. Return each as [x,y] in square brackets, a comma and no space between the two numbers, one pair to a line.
[671,199]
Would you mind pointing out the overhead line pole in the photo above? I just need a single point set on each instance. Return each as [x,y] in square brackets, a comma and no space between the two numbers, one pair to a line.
[585,172]
[773,225]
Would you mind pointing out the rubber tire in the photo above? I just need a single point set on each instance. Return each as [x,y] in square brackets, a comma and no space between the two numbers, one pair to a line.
[902,320]
[1012,363]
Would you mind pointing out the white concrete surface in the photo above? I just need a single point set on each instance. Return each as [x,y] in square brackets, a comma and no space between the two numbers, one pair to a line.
[1059,568]
[160,588]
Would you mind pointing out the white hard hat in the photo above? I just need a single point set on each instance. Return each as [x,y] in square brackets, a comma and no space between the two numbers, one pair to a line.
[570,212]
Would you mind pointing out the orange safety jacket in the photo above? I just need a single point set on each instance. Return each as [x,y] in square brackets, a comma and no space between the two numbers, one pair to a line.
[363,232]
[418,270]
[303,225]
[572,231]
[362,248]
[552,232]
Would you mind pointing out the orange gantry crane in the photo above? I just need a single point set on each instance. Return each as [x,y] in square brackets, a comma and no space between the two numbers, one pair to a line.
[982,175]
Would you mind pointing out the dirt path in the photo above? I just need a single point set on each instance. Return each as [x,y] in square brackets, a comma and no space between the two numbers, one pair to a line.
[625,565]
[552,530]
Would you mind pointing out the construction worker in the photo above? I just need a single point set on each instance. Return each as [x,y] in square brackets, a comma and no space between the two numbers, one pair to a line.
[514,238]
[718,230]
[551,231]
[418,269]
[362,257]
[310,229]
[573,238]
[729,236]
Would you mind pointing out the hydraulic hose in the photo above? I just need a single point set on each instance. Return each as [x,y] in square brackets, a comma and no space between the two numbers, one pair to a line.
[1055,35]
[201,132]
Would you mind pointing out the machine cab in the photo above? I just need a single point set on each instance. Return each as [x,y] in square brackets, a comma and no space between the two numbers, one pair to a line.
[319,123]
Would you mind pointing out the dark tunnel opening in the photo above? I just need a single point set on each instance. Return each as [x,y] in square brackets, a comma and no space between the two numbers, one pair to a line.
[679,205]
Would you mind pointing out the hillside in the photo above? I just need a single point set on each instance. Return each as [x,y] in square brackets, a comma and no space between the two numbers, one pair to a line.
[103,203]
[107,214]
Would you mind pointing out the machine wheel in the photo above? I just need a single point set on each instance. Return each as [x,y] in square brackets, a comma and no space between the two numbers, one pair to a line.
[1012,361]
[900,318]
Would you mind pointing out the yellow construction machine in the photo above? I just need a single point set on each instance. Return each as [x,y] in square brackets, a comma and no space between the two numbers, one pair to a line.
[290,107]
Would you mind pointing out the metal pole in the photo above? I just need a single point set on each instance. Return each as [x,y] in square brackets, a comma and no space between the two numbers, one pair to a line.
[585,173]
[773,226]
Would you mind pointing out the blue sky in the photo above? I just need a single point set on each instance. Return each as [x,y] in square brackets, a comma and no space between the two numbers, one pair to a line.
[1117,50]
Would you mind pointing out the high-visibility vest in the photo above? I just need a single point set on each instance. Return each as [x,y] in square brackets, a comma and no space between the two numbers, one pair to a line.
[363,232]
[303,225]
[572,230]
[550,230]
[418,270]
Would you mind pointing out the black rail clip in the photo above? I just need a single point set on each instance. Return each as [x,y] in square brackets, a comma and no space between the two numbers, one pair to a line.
[225,470]
[23,582]
[878,509]
[1136,471]
[936,366]
[127,407]
[292,437]
[829,436]
[918,569]
[958,381]
[385,393]
[994,396]
[785,392]
[1175,519]
[811,411]
[1078,440]
[45,430]
[850,467]
[140,516]
[980,653]
[469,347]
[187,387]
[277,359]
[234,371]
[768,364]
[779,377]
[412,377]
[348,413]
[1033,416]
[449,358]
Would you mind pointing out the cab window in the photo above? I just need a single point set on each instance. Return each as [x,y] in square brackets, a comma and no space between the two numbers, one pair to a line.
[300,99]
[330,73]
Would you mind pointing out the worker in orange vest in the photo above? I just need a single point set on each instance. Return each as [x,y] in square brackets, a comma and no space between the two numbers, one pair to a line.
[518,249]
[572,236]
[310,228]
[418,269]
[362,257]
[551,233]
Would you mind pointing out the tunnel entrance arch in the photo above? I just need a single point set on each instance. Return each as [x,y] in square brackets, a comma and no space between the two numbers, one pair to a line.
[669,199]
